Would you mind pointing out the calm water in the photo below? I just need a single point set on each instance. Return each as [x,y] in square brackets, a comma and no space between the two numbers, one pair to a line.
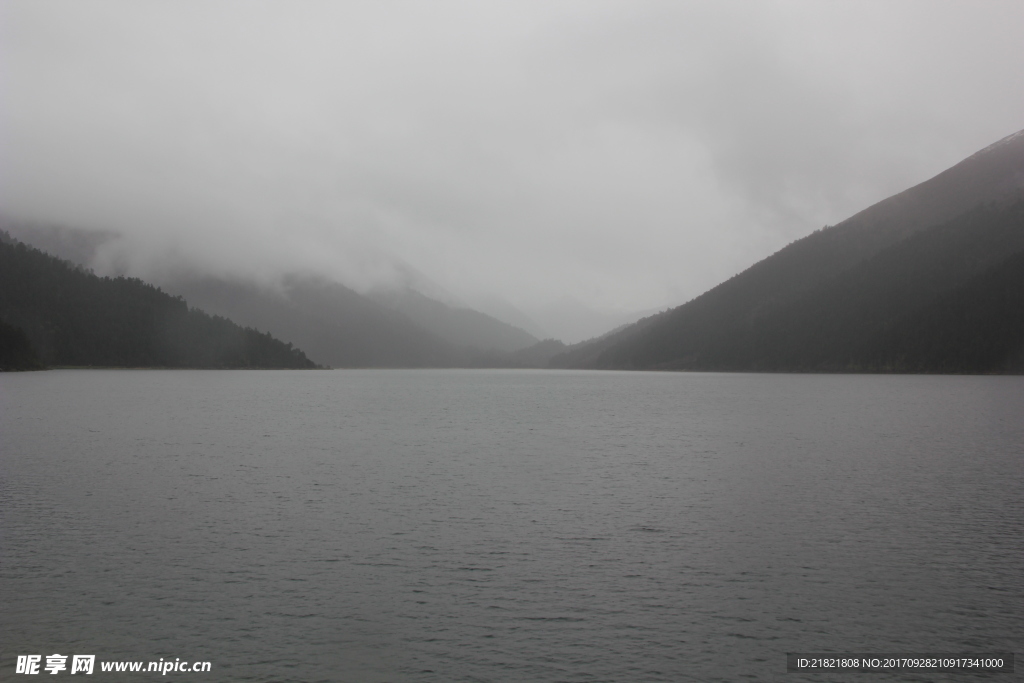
[508,526]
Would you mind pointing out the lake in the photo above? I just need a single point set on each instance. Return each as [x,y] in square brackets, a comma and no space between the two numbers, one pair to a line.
[458,525]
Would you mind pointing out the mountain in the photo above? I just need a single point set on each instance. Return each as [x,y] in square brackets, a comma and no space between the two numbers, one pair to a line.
[69,244]
[499,308]
[69,316]
[340,327]
[463,327]
[537,356]
[857,296]
[336,325]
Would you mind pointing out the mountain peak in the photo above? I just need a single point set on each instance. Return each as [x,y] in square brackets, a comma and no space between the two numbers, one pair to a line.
[1011,139]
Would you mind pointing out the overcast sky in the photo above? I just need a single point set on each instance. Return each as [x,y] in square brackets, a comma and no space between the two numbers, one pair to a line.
[628,154]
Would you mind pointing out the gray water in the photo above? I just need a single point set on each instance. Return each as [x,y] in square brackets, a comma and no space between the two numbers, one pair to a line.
[508,525]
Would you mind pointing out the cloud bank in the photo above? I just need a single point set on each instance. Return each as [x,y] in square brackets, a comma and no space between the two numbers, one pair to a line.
[625,155]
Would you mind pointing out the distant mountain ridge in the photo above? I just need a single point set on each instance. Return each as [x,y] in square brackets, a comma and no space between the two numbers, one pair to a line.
[460,326]
[340,327]
[334,324]
[801,308]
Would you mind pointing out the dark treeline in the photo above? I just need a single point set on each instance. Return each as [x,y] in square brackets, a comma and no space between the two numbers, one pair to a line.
[16,352]
[71,317]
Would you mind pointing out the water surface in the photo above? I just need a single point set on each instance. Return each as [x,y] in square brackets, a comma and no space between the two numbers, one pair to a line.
[508,525]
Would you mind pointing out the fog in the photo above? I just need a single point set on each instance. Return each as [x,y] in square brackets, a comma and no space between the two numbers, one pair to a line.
[613,156]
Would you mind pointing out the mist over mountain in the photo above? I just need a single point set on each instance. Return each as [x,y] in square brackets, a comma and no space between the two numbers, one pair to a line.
[846,297]
[460,326]
[56,313]
[920,282]
[334,324]
[499,308]
[340,327]
[501,327]
[623,156]
[572,321]
[67,243]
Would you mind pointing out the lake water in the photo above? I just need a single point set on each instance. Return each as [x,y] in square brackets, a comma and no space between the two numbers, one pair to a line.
[508,525]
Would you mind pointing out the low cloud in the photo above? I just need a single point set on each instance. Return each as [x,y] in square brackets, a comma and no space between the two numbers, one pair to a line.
[626,155]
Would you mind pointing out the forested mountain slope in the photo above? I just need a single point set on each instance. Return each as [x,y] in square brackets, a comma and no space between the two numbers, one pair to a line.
[72,317]
[334,324]
[16,352]
[831,301]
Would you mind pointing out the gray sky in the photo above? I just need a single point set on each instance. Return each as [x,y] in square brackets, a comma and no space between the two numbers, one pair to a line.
[626,155]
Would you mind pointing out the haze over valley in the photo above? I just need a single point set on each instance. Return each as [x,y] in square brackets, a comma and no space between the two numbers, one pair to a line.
[562,168]
[929,280]
[477,186]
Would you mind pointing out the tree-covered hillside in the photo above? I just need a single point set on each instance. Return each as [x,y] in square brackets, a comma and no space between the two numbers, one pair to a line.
[72,317]
[16,352]
[335,325]
[857,297]
[947,299]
